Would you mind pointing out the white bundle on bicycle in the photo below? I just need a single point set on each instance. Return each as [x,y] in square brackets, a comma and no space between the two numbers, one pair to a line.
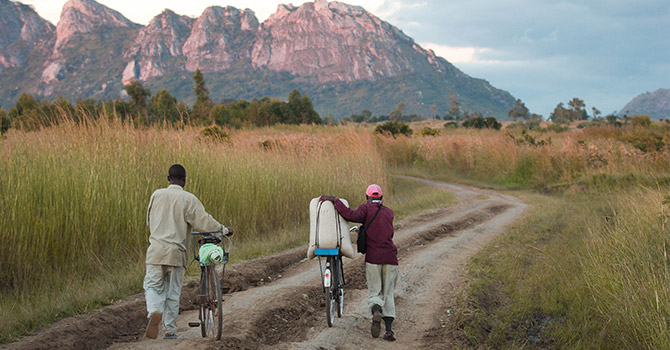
[328,230]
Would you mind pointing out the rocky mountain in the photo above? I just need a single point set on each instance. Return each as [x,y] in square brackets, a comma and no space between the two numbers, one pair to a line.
[22,30]
[345,58]
[655,104]
[80,17]
[155,46]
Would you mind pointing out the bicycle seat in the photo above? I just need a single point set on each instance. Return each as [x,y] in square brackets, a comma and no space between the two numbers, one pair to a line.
[209,239]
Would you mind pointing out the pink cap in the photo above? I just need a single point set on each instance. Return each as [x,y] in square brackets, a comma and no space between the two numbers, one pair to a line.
[374,191]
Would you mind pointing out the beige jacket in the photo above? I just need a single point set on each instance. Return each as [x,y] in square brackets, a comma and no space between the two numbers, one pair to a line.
[172,214]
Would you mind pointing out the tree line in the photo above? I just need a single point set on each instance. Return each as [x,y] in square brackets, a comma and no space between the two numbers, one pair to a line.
[30,113]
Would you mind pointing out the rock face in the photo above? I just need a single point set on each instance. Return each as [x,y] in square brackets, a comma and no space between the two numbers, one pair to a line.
[155,44]
[654,104]
[333,41]
[220,36]
[21,31]
[83,16]
[344,57]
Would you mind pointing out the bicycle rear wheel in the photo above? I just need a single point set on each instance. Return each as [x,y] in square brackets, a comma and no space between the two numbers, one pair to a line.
[330,296]
[212,325]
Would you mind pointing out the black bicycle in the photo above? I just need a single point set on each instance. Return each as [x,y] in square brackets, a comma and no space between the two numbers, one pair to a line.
[211,293]
[333,282]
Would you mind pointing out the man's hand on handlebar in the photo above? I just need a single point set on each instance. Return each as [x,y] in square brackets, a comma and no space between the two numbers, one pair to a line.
[230,231]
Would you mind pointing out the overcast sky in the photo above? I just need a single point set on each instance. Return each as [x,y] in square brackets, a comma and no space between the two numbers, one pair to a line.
[541,51]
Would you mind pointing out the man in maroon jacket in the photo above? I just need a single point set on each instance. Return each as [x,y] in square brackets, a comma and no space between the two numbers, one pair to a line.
[381,258]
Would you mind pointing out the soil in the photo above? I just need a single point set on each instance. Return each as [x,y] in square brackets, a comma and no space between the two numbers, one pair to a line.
[277,302]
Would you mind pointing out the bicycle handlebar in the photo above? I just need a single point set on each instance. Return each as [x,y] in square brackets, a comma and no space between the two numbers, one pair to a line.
[210,233]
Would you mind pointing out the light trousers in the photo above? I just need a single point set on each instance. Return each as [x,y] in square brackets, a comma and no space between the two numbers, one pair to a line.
[162,288]
[381,280]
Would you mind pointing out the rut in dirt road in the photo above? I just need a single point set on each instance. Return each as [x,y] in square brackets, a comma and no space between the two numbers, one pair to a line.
[278,301]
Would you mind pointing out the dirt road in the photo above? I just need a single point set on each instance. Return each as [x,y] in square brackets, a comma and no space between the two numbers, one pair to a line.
[279,304]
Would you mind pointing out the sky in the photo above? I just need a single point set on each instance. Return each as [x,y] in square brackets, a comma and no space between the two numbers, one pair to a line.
[541,51]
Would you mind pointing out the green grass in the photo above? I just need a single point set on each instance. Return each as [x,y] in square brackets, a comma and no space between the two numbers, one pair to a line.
[583,270]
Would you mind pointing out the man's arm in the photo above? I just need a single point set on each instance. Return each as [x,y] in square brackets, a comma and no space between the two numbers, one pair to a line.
[348,214]
[201,220]
[151,202]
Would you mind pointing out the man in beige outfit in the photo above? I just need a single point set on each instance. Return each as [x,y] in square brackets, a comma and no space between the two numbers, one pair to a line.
[172,214]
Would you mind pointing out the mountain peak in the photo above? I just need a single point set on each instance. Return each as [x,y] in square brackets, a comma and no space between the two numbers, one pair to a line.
[219,37]
[22,29]
[655,104]
[334,41]
[82,16]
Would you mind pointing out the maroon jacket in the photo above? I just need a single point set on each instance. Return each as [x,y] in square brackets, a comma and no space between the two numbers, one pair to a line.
[380,250]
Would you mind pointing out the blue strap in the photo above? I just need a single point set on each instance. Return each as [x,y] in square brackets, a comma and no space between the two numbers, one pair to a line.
[320,251]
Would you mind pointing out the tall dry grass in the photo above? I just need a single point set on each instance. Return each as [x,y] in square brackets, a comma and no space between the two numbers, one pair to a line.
[74,196]
[495,157]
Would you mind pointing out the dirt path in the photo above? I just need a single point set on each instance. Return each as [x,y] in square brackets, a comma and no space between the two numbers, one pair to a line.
[279,302]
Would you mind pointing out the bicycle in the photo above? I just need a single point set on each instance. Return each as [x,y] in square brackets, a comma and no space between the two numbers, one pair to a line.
[210,296]
[333,281]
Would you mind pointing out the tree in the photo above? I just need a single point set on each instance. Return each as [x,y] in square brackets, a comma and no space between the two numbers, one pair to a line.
[26,114]
[303,110]
[164,107]
[203,104]
[5,122]
[519,111]
[138,97]
[398,112]
[454,111]
[307,113]
[579,112]
[596,112]
[568,115]
[330,120]
[433,111]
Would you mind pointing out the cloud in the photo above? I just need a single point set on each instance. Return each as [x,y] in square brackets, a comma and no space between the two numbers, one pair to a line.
[456,54]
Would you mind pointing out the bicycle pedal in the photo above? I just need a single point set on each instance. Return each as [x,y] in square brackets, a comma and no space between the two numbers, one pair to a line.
[194,324]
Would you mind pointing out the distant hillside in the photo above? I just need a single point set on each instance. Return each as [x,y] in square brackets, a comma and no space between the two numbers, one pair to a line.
[655,104]
[343,57]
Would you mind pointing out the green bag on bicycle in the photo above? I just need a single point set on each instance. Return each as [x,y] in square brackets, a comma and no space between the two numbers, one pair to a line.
[211,253]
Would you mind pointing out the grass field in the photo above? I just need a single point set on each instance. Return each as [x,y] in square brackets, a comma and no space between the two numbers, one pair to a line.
[586,269]
[74,201]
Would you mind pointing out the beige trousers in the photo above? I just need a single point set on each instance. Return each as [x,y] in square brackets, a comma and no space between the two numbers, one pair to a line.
[381,281]
[162,288]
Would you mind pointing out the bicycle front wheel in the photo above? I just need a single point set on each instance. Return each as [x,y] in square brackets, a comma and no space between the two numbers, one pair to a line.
[214,312]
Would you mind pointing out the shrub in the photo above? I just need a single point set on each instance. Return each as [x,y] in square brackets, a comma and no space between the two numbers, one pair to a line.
[214,132]
[643,121]
[482,123]
[555,127]
[394,128]
[430,132]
